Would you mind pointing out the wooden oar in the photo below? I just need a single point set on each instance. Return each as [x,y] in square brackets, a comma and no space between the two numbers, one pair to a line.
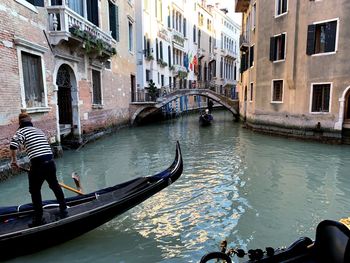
[76,180]
[71,189]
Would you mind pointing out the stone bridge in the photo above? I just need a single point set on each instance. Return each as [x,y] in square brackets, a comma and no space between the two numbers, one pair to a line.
[142,109]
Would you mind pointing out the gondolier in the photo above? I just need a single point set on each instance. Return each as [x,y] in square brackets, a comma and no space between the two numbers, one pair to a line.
[43,167]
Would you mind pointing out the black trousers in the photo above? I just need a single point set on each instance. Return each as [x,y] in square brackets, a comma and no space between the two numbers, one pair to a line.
[40,172]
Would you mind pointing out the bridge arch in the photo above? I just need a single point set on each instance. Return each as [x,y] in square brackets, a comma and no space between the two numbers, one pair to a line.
[148,108]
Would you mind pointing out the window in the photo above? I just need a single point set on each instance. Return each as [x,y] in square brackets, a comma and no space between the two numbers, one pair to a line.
[281,7]
[157,49]
[169,56]
[162,80]
[321,38]
[199,39]
[113,20]
[184,26]
[251,91]
[96,87]
[161,50]
[194,34]
[277,91]
[251,61]
[320,97]
[254,16]
[278,47]
[159,10]
[169,14]
[221,68]
[33,80]
[131,37]
[148,75]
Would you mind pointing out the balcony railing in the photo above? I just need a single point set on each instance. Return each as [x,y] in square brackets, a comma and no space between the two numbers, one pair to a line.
[61,21]
[243,42]
[229,53]
[212,56]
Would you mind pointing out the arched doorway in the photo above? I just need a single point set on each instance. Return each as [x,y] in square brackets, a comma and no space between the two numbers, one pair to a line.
[346,123]
[64,99]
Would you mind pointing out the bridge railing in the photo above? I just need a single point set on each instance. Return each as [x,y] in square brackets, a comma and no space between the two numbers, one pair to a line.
[142,95]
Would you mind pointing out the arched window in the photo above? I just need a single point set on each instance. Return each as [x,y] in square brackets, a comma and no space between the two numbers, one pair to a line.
[169,56]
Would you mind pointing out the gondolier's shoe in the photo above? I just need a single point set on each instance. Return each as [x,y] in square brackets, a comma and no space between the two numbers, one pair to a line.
[37,222]
[63,213]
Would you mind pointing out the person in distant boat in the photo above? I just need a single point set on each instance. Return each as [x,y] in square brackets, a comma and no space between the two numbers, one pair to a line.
[42,169]
[210,106]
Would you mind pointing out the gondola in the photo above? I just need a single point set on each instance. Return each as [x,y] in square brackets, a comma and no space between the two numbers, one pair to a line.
[85,212]
[331,245]
[205,118]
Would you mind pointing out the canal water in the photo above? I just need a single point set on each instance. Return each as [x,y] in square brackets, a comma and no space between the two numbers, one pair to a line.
[252,190]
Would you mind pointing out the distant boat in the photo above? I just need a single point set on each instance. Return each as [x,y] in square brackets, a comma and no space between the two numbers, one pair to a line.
[205,118]
[85,212]
[331,245]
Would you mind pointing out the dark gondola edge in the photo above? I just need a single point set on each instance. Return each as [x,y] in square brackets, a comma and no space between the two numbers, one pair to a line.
[174,169]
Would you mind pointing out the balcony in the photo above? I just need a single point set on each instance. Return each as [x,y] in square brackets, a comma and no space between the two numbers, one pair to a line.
[242,5]
[66,25]
[243,43]
[178,40]
[229,54]
[212,56]
[228,82]
[200,53]
[180,71]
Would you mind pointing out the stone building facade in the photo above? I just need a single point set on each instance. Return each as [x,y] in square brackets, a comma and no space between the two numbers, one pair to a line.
[70,64]
[294,67]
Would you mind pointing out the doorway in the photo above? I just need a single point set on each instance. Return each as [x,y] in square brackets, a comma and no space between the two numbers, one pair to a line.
[64,99]
[346,123]
[133,88]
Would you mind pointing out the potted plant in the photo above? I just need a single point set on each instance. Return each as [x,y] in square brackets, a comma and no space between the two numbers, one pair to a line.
[152,90]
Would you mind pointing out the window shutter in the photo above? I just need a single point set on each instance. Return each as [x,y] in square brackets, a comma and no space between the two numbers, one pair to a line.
[283,46]
[243,66]
[251,62]
[112,20]
[117,22]
[272,49]
[38,3]
[310,46]
[284,6]
[331,32]
[169,56]
[157,54]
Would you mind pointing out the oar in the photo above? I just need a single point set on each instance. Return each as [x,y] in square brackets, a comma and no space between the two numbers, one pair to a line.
[71,189]
[76,180]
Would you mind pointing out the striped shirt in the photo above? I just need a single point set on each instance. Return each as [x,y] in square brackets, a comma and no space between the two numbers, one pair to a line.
[34,142]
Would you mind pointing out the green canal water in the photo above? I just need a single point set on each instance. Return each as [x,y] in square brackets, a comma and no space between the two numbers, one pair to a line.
[253,190]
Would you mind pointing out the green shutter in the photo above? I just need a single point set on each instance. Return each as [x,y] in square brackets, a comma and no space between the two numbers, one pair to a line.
[331,32]
[117,22]
[112,20]
[272,49]
[310,46]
